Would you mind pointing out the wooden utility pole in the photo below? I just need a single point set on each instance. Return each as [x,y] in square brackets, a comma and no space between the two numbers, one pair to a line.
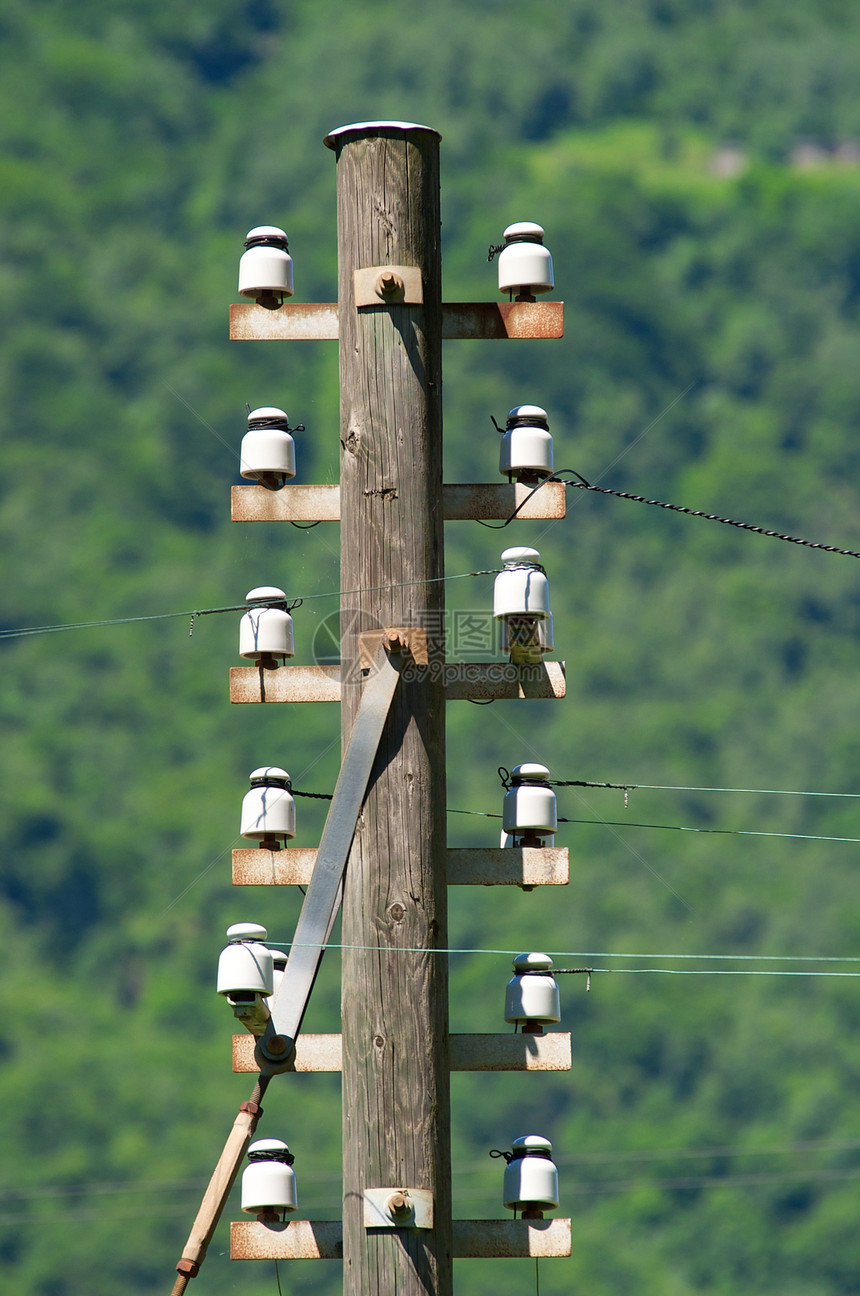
[396,1082]
[384,841]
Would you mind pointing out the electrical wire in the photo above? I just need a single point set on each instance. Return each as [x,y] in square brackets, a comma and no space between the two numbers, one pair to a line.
[420,949]
[622,823]
[505,779]
[677,787]
[731,832]
[238,607]
[582,484]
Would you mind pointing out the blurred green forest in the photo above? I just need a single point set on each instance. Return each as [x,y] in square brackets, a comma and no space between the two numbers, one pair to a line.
[695,165]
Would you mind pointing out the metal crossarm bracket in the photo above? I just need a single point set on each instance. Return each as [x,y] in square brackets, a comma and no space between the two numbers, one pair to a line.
[388,285]
[321,904]
[398,1208]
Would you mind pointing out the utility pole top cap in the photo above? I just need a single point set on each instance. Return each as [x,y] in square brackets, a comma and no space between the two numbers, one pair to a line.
[371,127]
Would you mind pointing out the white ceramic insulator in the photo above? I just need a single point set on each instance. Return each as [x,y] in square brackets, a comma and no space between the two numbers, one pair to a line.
[268,1185]
[279,967]
[245,966]
[530,809]
[526,449]
[533,998]
[265,451]
[268,812]
[265,269]
[525,267]
[531,1181]
[520,591]
[266,632]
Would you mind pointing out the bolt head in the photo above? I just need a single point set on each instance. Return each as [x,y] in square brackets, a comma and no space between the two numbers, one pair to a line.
[399,1204]
[388,284]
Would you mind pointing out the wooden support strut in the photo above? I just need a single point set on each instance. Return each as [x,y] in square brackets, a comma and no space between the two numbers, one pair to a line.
[274,1049]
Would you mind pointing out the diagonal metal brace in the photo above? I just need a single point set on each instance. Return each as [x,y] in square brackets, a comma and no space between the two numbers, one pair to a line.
[322,902]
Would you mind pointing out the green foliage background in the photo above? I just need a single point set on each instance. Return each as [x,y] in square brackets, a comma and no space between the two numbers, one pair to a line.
[708,1135]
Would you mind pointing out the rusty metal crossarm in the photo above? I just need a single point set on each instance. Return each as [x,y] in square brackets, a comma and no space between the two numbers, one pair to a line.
[322,902]
[318,322]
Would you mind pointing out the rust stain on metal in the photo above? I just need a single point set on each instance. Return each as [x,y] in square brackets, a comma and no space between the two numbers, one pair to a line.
[286,684]
[502,319]
[461,501]
[293,322]
[293,1240]
[273,868]
[289,504]
[468,501]
[467,866]
[507,1239]
[297,322]
[472,1239]
[497,866]
[313,1053]
[462,680]
[549,1052]
[504,680]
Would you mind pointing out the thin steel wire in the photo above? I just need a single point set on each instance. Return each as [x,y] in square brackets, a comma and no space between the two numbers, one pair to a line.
[238,607]
[582,484]
[802,972]
[623,823]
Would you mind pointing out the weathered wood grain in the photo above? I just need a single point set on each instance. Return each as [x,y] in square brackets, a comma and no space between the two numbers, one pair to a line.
[396,1122]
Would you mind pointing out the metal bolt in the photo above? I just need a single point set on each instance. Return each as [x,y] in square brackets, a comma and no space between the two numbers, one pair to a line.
[277,1044]
[388,284]
[394,642]
[399,1204]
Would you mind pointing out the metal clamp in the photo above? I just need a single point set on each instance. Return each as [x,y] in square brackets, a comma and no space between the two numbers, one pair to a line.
[398,1208]
[395,639]
[390,285]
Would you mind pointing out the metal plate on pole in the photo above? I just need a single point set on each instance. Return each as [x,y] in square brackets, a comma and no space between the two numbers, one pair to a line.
[323,896]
